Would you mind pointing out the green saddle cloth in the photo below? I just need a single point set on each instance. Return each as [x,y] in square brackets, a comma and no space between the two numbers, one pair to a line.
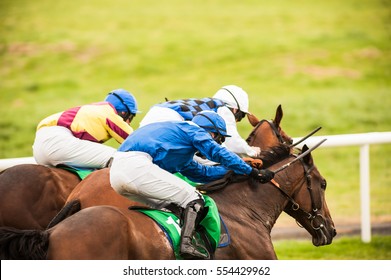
[170,223]
[81,172]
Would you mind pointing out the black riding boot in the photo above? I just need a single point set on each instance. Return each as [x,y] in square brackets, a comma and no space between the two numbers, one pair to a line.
[187,249]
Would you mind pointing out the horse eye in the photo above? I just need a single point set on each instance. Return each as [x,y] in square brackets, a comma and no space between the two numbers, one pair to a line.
[323,185]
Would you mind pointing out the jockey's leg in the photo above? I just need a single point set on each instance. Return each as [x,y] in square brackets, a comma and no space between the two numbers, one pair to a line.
[134,173]
[191,219]
[56,145]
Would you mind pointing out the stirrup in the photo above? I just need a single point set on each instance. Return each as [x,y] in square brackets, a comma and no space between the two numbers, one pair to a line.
[191,253]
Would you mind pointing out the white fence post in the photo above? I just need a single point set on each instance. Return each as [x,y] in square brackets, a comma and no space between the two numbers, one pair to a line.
[365,194]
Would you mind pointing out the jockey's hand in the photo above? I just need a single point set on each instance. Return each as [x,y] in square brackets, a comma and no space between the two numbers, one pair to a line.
[263,175]
[266,175]
[253,162]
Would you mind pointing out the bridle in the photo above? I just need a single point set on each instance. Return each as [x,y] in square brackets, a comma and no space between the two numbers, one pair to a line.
[274,129]
[313,215]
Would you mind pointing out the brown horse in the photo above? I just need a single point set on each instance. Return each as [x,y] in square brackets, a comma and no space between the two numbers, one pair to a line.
[266,134]
[249,209]
[31,195]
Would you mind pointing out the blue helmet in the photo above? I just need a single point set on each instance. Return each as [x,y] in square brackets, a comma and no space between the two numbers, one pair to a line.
[211,122]
[123,101]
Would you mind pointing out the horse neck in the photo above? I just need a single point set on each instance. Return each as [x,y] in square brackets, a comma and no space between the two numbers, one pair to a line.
[292,178]
[250,213]
[255,207]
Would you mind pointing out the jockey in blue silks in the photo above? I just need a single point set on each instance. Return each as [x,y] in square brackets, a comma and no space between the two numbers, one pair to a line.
[143,167]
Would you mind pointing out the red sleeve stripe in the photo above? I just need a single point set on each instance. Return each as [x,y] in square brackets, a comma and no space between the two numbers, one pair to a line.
[67,117]
[123,134]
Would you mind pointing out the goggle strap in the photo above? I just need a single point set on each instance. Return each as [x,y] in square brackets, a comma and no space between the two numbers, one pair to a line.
[123,102]
[214,125]
[237,103]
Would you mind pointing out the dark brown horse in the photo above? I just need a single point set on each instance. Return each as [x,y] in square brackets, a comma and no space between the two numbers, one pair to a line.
[249,209]
[31,195]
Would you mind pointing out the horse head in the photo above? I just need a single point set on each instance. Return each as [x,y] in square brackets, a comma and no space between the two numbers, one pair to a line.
[267,133]
[307,203]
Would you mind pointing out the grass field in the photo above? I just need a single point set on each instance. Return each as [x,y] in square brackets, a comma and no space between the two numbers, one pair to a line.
[328,63]
[346,248]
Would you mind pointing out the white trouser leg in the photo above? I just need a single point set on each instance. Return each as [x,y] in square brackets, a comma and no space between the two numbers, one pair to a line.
[160,114]
[134,175]
[56,145]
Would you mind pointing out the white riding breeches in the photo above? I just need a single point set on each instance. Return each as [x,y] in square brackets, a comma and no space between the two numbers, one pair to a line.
[135,176]
[56,145]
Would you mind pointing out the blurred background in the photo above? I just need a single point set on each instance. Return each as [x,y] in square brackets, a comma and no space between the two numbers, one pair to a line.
[328,63]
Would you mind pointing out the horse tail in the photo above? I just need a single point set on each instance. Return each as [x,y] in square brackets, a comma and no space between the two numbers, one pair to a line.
[17,244]
[68,210]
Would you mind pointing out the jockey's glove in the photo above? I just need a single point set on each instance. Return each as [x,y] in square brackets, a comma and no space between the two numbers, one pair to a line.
[263,175]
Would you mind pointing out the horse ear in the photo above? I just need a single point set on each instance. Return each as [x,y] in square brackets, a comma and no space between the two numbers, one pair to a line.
[279,115]
[308,158]
[253,120]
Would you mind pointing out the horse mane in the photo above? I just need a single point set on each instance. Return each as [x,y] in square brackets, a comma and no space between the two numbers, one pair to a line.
[275,154]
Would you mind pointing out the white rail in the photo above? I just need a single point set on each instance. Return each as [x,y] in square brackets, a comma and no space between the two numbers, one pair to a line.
[6,163]
[361,139]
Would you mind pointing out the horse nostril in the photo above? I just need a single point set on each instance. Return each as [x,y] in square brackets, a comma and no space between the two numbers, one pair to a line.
[335,232]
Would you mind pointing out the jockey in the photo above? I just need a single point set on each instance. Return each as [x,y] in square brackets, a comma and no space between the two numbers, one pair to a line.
[73,137]
[143,167]
[230,102]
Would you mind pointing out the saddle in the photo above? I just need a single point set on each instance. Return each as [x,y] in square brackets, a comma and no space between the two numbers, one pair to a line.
[82,173]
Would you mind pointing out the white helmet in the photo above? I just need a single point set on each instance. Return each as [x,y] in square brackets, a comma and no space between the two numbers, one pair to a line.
[234,96]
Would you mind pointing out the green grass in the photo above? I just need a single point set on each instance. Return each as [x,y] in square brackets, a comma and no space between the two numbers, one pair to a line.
[327,62]
[346,248]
